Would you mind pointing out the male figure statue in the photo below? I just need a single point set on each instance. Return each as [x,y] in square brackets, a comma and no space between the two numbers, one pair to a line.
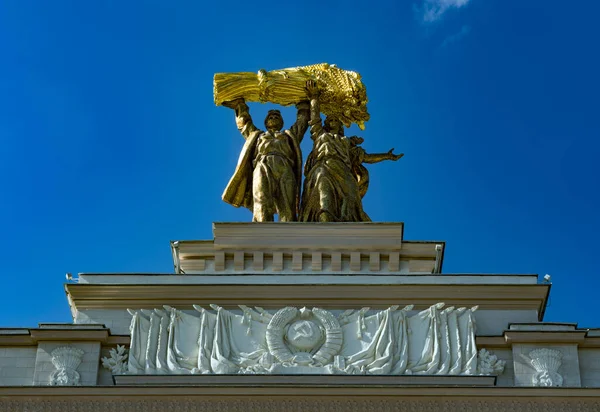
[267,177]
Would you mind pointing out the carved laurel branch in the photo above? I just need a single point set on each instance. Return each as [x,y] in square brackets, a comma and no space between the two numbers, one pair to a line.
[275,330]
[117,363]
[333,336]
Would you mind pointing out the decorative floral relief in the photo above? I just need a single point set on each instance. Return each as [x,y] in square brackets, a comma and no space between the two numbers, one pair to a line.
[489,364]
[546,363]
[117,363]
[66,360]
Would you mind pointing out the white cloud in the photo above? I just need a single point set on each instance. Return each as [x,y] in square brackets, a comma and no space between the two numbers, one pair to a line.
[433,10]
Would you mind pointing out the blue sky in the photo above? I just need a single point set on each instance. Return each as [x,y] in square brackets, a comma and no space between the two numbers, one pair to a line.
[112,146]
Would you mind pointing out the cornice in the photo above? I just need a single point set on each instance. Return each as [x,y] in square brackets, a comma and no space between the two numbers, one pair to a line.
[183,296]
[554,337]
[591,342]
[291,390]
[577,337]
[31,337]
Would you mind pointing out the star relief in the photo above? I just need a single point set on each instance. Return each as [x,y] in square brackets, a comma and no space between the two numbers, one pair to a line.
[305,313]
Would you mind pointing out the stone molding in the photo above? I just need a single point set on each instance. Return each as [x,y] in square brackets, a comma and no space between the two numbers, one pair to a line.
[590,342]
[75,333]
[199,258]
[580,337]
[299,390]
[556,337]
[275,381]
[311,247]
[296,399]
[291,235]
[297,405]
[26,339]
[113,341]
[487,296]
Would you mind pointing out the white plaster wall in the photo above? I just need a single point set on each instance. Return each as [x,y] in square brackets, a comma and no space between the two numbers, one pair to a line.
[105,375]
[544,327]
[495,322]
[17,365]
[117,320]
[589,365]
[88,370]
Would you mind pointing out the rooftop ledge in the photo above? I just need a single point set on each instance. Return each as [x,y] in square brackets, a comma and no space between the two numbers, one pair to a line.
[304,279]
[510,292]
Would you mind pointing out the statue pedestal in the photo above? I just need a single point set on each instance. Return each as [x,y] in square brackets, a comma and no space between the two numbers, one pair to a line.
[310,248]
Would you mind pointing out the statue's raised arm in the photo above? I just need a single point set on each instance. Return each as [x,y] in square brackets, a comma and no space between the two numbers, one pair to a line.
[298,129]
[243,119]
[316,124]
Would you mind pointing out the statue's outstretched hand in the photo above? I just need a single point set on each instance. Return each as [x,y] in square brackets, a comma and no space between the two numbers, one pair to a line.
[393,156]
[312,90]
[232,104]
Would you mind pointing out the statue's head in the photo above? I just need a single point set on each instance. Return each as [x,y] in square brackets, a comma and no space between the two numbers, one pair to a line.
[333,125]
[274,120]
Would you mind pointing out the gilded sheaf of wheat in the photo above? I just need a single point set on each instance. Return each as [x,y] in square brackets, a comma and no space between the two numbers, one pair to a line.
[343,94]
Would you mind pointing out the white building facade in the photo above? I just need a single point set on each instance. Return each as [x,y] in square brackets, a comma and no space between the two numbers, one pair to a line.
[299,317]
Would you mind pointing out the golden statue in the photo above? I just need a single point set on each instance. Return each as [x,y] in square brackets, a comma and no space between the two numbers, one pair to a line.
[335,179]
[343,94]
[358,156]
[269,170]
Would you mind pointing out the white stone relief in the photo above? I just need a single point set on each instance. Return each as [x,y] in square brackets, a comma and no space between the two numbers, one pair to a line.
[117,363]
[303,337]
[546,363]
[489,364]
[306,341]
[66,360]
